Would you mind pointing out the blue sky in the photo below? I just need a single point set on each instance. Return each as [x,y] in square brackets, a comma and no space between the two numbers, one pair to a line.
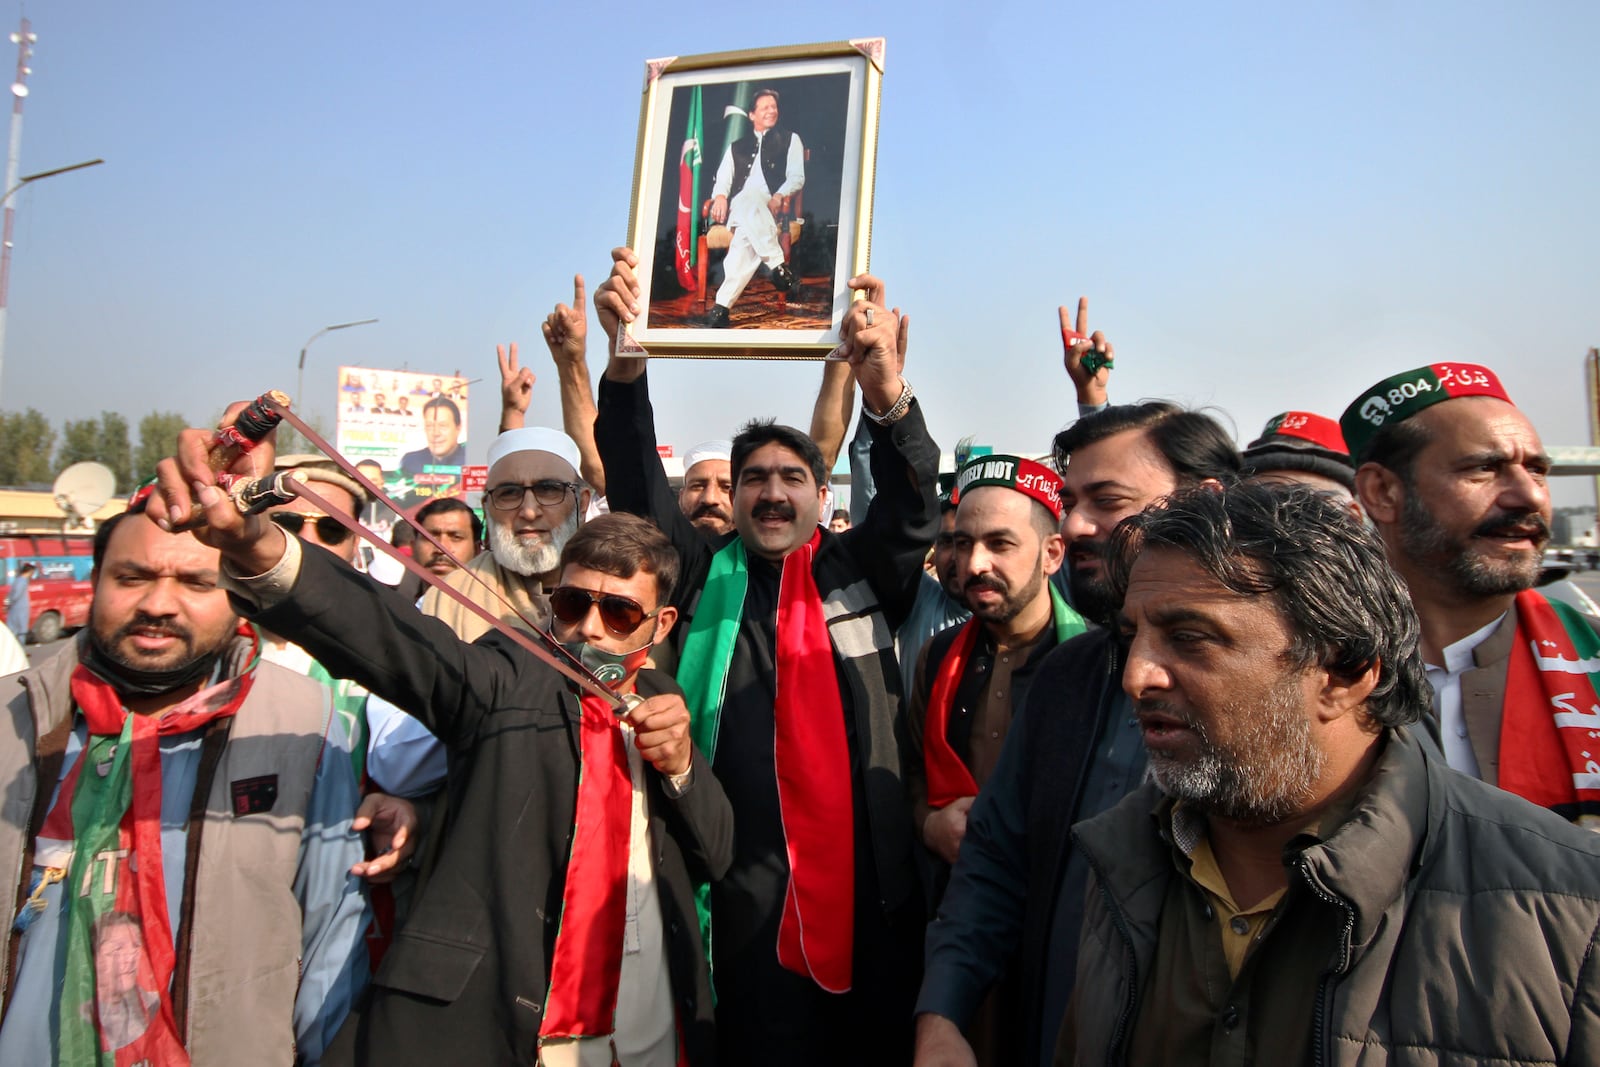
[1269,206]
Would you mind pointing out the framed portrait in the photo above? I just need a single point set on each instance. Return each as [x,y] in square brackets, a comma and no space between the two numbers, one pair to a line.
[752,199]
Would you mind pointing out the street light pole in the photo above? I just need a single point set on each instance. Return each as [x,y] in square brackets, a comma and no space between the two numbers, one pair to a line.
[24,39]
[26,178]
[300,382]
[10,214]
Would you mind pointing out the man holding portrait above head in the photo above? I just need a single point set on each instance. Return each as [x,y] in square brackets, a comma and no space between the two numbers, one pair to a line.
[788,666]
[759,171]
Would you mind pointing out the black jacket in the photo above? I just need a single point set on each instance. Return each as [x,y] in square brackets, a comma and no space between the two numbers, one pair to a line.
[867,577]
[466,978]
[1005,888]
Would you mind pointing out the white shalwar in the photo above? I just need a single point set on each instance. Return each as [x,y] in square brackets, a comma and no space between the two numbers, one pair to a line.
[755,231]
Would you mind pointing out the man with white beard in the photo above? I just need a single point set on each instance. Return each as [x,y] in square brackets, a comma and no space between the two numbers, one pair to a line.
[533,505]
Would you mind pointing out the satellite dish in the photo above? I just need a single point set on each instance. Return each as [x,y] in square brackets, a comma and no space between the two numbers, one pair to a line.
[83,489]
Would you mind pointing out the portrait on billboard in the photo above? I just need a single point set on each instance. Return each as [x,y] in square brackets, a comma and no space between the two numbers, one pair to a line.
[412,426]
[753,198]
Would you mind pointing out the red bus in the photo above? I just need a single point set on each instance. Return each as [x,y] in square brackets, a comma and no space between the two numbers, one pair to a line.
[60,592]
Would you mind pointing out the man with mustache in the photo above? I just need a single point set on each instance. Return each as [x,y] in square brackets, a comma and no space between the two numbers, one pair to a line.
[789,669]
[558,927]
[1006,545]
[706,495]
[1017,856]
[164,775]
[455,526]
[1453,476]
[968,679]
[1302,880]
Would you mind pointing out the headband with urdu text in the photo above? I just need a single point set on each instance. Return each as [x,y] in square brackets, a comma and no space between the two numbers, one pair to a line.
[1026,476]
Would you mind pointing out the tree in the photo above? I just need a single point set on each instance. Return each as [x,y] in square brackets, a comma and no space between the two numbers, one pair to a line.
[80,442]
[115,451]
[103,440]
[158,438]
[26,443]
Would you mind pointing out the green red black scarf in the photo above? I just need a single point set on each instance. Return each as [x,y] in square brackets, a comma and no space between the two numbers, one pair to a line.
[586,966]
[116,996]
[949,778]
[816,932]
[1551,712]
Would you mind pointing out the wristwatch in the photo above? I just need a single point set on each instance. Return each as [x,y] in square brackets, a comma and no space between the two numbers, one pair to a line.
[897,410]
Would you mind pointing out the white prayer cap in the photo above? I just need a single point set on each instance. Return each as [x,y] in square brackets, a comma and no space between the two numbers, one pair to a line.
[707,450]
[534,439]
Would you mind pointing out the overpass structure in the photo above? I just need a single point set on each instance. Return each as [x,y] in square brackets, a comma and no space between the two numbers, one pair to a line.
[1574,459]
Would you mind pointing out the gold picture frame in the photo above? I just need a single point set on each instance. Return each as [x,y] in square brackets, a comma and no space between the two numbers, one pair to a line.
[753,180]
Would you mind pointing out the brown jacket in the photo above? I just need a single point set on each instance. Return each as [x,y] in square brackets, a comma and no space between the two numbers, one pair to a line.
[1483,692]
[239,939]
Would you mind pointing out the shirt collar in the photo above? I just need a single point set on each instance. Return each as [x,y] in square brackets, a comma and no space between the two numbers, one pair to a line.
[1458,656]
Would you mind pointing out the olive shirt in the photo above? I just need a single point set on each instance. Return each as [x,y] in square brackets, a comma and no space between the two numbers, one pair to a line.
[1232,985]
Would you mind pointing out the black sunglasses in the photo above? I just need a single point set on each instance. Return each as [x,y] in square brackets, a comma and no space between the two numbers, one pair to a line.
[621,615]
[509,497]
[329,530]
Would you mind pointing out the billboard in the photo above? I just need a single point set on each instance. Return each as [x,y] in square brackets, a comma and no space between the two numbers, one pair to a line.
[414,426]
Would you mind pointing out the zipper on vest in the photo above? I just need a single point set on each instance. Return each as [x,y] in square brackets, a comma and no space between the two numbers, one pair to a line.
[1132,970]
[1342,958]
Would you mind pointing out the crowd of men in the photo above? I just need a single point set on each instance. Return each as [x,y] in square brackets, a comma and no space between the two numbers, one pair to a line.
[1143,750]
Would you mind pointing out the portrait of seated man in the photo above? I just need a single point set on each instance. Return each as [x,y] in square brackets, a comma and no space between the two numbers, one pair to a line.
[750,195]
[757,173]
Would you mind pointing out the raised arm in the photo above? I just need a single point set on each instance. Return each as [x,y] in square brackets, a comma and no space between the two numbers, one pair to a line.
[904,514]
[1087,357]
[566,332]
[830,415]
[625,429]
[836,399]
[354,627]
[516,388]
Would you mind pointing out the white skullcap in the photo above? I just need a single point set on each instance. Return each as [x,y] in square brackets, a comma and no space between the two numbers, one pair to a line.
[534,439]
[707,450]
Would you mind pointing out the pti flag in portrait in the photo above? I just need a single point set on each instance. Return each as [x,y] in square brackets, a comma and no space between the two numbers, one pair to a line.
[689,192]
